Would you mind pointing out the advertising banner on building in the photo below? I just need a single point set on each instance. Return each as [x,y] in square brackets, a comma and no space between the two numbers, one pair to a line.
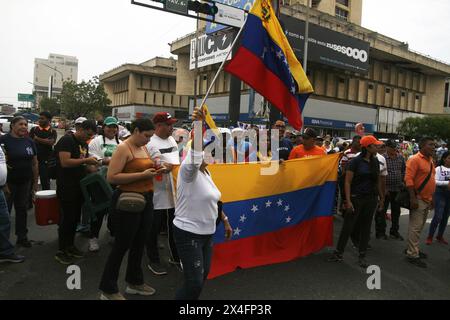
[212,49]
[327,46]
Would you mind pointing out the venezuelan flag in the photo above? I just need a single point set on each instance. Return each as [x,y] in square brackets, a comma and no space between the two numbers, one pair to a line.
[275,218]
[267,63]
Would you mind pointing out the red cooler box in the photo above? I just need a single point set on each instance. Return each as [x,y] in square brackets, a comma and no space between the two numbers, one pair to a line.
[46,208]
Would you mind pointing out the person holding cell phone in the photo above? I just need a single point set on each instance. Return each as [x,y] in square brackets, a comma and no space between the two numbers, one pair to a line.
[363,192]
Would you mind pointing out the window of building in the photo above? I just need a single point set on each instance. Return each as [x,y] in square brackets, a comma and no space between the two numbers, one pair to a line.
[343,2]
[370,86]
[341,13]
[145,96]
[387,90]
[403,94]
[417,97]
[447,95]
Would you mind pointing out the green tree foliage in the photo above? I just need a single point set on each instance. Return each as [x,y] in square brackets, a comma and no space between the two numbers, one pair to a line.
[437,127]
[51,105]
[85,99]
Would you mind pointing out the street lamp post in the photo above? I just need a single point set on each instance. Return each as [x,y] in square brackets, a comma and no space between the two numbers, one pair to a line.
[51,85]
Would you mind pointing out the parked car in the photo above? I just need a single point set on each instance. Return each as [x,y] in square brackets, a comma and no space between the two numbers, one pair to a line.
[5,121]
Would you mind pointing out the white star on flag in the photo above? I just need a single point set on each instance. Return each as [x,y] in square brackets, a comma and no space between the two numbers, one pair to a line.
[237,231]
[243,218]
[279,54]
[293,90]
[285,61]
[280,203]
[255,208]
[286,208]
[288,219]
[268,204]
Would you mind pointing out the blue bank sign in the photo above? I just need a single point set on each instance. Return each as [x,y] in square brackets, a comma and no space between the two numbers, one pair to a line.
[212,27]
[335,124]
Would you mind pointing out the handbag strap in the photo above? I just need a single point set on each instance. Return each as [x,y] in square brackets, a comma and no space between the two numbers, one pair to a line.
[424,183]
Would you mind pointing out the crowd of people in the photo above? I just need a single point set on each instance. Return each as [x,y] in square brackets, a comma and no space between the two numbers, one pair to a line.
[140,159]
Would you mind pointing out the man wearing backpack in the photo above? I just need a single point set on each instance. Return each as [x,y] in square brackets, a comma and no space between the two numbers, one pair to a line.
[44,137]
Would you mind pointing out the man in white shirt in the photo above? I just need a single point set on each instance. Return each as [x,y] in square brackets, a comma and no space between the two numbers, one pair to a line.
[163,199]
[6,248]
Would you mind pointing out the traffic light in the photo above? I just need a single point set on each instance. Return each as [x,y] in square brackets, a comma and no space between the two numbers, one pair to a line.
[203,7]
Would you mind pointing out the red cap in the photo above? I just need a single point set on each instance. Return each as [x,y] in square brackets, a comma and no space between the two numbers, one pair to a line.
[368,140]
[165,117]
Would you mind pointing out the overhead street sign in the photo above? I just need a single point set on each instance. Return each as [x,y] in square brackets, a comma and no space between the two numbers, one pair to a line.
[25,97]
[179,6]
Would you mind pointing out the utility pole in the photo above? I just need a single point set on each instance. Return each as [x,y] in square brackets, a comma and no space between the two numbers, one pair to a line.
[274,113]
[305,53]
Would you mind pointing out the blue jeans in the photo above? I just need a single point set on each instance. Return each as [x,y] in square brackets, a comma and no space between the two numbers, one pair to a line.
[195,253]
[6,248]
[441,212]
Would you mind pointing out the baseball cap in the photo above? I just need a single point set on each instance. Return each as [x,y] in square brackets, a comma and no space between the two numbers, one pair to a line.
[368,140]
[109,121]
[163,117]
[391,144]
[80,120]
[309,133]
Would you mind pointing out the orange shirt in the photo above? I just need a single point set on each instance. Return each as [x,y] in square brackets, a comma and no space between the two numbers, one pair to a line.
[300,152]
[417,169]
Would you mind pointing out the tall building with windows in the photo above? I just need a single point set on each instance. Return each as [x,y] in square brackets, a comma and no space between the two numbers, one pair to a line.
[348,10]
[52,72]
[141,90]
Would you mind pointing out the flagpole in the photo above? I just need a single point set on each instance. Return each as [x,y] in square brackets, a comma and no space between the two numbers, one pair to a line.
[221,66]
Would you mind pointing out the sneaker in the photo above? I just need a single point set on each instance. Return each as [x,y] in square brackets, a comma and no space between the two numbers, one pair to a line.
[336,257]
[382,236]
[112,296]
[63,258]
[429,241]
[24,243]
[441,240]
[143,290]
[157,269]
[74,252]
[93,245]
[14,258]
[422,255]
[417,262]
[362,262]
[396,236]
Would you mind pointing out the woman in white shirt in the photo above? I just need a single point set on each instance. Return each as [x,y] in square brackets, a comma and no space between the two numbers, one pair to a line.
[102,148]
[441,200]
[196,213]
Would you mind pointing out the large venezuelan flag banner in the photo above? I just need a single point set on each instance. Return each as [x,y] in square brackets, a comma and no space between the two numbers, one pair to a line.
[275,218]
[267,63]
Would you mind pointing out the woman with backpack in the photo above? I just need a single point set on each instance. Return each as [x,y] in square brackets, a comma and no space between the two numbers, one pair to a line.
[102,148]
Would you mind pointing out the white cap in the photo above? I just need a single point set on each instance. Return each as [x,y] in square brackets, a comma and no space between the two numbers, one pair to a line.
[80,120]
[123,132]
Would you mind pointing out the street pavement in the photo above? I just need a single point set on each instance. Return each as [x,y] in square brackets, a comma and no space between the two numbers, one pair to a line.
[312,277]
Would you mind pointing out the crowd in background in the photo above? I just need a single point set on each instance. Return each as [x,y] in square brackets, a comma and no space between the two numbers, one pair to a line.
[139,159]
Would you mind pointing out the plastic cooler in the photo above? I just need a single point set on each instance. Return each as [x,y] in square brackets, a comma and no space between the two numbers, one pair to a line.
[46,208]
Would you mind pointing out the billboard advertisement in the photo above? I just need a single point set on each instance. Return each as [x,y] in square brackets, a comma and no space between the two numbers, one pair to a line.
[326,46]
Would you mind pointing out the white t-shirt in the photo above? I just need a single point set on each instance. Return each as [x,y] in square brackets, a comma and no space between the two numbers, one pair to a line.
[168,150]
[100,148]
[197,197]
[442,176]
[383,165]
[3,169]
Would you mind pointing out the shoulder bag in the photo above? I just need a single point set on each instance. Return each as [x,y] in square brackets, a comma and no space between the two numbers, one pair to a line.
[403,198]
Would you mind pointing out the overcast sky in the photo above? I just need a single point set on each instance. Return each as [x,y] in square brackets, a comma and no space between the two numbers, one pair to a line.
[104,34]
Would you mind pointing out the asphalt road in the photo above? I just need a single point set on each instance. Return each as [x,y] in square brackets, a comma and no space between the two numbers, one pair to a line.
[312,277]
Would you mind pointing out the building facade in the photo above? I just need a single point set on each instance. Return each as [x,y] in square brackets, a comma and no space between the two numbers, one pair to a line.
[140,90]
[51,72]
[357,74]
